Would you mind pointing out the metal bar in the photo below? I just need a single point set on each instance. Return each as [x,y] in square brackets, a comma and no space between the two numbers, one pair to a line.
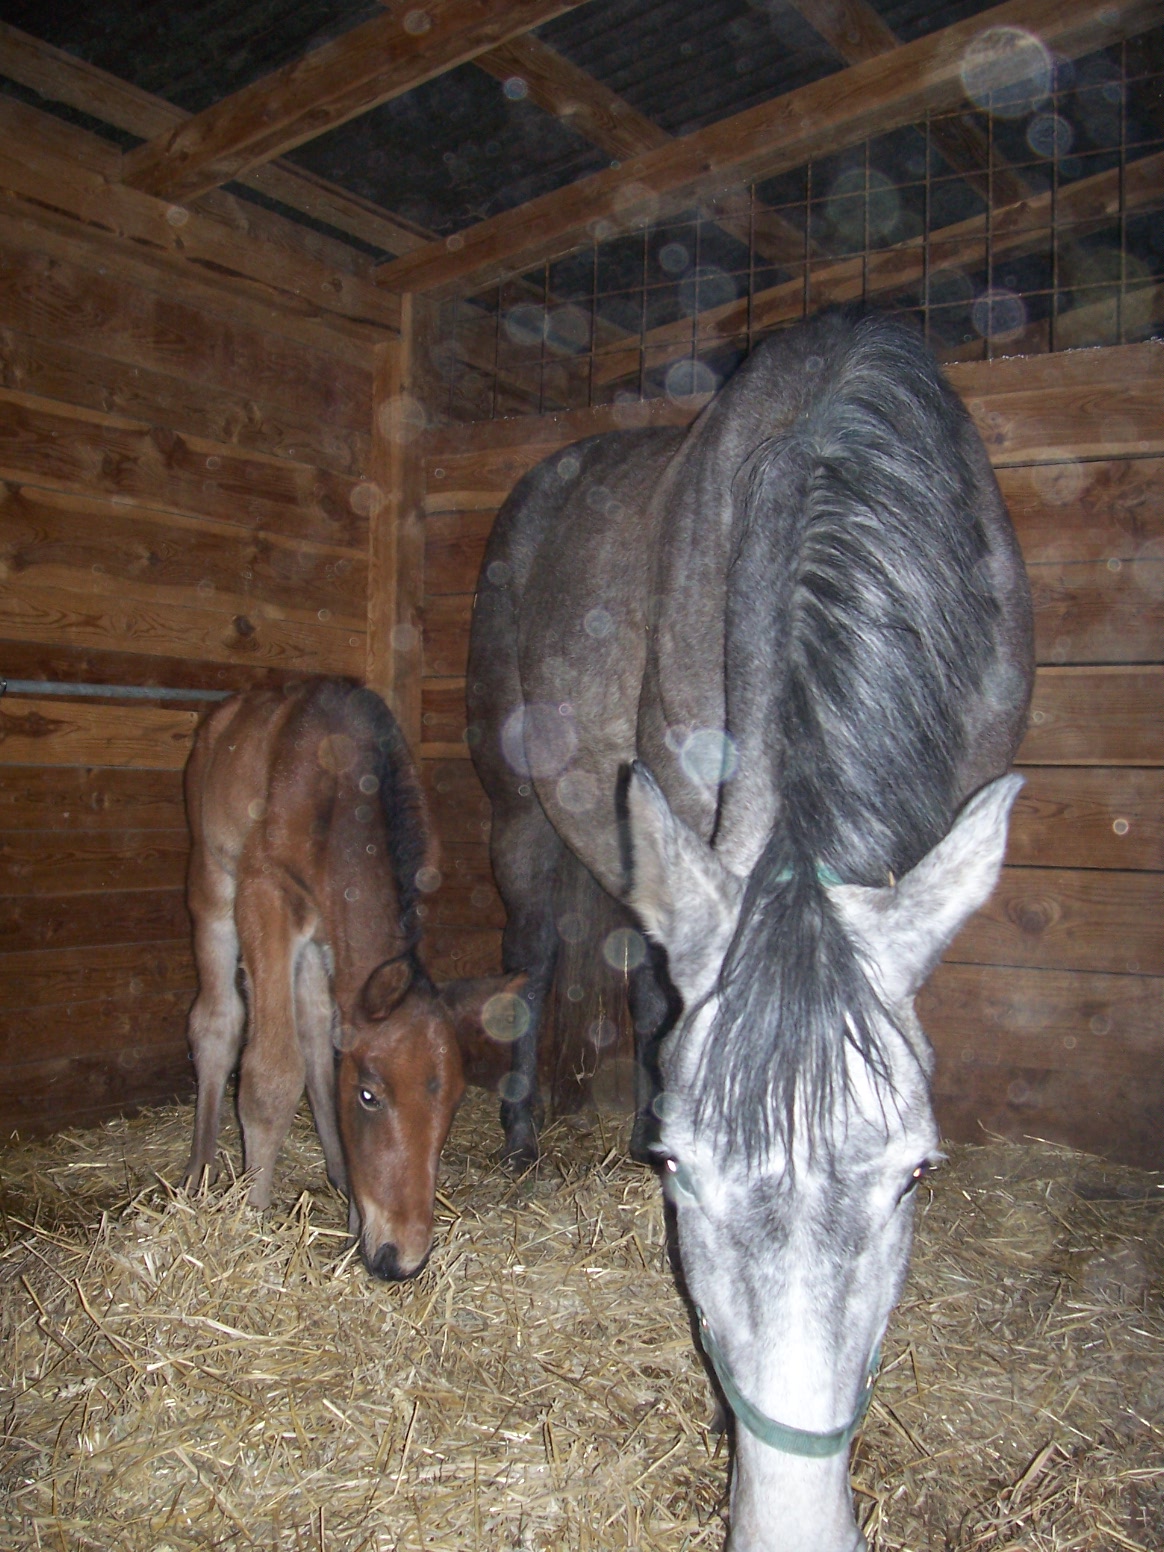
[124,692]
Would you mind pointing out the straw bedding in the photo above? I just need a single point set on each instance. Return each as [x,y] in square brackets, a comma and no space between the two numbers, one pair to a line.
[184,1373]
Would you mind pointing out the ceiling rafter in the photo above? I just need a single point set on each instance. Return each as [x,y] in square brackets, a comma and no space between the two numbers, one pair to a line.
[373,63]
[884,93]
[601,116]
[854,30]
[61,77]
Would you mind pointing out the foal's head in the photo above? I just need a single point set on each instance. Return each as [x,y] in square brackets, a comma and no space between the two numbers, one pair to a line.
[398,1083]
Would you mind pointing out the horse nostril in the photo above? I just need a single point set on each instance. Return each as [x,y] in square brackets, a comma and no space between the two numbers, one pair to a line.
[386,1264]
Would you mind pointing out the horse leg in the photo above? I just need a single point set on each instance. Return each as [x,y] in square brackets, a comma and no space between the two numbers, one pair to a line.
[273,1069]
[654,1007]
[215,1025]
[526,851]
[313,1016]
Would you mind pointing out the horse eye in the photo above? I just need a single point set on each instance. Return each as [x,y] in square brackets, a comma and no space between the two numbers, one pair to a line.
[917,1177]
[368,1099]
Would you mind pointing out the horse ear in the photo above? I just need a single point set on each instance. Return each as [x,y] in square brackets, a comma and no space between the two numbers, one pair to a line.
[384,989]
[904,930]
[685,897]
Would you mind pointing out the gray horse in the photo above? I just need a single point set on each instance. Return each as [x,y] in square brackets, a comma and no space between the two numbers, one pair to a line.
[763,678]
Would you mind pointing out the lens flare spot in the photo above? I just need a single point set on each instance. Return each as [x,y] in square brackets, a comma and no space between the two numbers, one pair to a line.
[624,949]
[709,756]
[428,880]
[538,741]
[1007,71]
[598,623]
[505,1017]
[577,792]
[336,753]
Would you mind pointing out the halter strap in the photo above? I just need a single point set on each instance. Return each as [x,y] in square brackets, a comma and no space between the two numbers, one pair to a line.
[779,1436]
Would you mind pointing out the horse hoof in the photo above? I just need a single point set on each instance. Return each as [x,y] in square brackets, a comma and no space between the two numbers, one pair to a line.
[520,1154]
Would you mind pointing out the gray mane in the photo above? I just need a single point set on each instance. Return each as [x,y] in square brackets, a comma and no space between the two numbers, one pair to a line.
[862,556]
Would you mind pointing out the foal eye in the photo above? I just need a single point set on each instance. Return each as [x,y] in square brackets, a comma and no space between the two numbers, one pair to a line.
[368,1099]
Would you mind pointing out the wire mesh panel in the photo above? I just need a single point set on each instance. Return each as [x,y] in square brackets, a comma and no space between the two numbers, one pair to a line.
[1031,220]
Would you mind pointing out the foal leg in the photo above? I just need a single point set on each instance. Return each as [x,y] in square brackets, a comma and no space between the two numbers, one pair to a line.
[215,1025]
[273,1069]
[313,1014]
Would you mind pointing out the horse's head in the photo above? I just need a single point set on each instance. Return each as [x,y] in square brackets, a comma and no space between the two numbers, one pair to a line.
[398,1082]
[795,1223]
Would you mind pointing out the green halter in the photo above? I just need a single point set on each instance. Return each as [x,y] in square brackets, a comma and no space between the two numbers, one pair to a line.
[779,1436]
[792,1441]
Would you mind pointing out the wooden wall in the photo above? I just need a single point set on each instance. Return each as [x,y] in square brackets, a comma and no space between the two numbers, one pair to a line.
[185,437]
[1048,1014]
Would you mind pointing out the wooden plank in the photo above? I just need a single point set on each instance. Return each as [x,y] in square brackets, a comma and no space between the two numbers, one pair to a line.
[467,896]
[46,1096]
[67,663]
[1106,420]
[95,800]
[454,544]
[76,861]
[396,528]
[1069,919]
[51,369]
[79,450]
[457,802]
[819,119]
[1117,365]
[100,1029]
[81,921]
[53,539]
[61,77]
[455,952]
[191,285]
[446,636]
[55,732]
[57,977]
[1099,612]
[35,166]
[113,621]
[78,292]
[1070,1058]
[442,718]
[1096,716]
[1092,817]
[1073,511]
[340,79]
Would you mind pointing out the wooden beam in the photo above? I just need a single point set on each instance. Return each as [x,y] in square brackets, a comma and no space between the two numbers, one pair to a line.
[855,31]
[869,99]
[559,87]
[352,74]
[608,120]
[60,77]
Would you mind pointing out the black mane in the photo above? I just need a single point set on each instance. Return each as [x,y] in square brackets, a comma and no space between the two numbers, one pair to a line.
[860,539]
